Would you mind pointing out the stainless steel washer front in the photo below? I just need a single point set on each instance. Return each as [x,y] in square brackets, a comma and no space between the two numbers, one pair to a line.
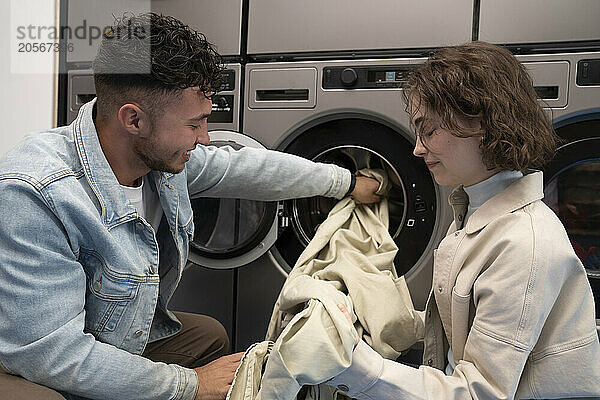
[569,88]
[350,113]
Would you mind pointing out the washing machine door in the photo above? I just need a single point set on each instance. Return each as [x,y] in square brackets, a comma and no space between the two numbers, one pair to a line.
[231,233]
[355,142]
[572,186]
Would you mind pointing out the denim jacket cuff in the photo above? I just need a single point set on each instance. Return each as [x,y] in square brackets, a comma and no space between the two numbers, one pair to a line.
[187,383]
[341,179]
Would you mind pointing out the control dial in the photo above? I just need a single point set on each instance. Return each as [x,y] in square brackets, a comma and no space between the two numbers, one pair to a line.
[222,102]
[348,77]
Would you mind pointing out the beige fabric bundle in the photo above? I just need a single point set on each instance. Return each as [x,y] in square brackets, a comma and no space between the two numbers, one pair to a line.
[248,376]
[349,263]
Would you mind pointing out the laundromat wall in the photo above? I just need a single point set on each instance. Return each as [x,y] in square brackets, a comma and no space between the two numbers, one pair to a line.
[299,72]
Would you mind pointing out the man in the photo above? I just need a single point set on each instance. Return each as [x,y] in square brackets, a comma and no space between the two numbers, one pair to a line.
[96,221]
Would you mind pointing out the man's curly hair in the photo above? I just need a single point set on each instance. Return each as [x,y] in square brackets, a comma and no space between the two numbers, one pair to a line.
[483,82]
[150,59]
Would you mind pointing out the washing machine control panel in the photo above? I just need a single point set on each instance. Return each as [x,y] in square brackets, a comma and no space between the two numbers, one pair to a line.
[223,101]
[588,72]
[366,77]
[227,80]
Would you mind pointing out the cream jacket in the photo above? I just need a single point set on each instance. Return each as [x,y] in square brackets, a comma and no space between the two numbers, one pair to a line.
[512,300]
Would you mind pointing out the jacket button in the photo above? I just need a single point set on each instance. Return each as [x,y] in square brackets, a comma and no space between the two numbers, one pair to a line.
[456,233]
[343,388]
[460,217]
[137,334]
[429,313]
[430,362]
[440,289]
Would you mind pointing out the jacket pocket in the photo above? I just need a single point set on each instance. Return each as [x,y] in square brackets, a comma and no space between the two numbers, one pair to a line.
[460,322]
[108,294]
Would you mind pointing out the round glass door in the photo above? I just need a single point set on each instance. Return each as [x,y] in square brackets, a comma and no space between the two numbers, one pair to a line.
[308,213]
[573,195]
[230,233]
[357,143]
[572,191]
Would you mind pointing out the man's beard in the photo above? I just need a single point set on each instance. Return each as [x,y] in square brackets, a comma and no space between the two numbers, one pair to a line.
[150,155]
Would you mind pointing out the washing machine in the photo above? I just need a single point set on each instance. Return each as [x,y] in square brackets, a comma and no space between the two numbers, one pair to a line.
[559,43]
[539,25]
[354,28]
[350,113]
[568,85]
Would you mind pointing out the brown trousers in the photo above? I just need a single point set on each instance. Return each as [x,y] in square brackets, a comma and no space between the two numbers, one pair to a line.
[201,340]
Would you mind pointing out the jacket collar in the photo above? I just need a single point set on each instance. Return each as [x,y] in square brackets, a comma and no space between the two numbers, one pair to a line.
[115,208]
[524,191]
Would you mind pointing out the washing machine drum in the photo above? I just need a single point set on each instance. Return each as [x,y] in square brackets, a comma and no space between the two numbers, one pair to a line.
[355,144]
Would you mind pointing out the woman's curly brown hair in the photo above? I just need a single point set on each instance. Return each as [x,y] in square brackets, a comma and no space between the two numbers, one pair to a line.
[483,82]
[151,58]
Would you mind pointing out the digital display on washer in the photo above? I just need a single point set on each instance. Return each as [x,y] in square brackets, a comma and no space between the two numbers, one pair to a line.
[366,77]
[386,76]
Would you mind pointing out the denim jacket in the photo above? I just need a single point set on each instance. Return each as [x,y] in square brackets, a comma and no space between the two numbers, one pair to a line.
[85,281]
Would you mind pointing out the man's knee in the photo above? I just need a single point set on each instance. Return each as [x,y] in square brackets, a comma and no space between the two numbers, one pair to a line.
[17,388]
[208,335]
[217,335]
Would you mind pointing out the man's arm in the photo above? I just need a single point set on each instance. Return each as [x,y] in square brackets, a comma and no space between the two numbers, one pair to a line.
[42,299]
[261,175]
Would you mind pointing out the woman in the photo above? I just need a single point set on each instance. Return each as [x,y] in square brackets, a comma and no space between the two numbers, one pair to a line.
[511,313]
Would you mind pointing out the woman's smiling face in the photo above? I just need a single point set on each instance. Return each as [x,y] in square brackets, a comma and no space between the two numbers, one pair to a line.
[452,160]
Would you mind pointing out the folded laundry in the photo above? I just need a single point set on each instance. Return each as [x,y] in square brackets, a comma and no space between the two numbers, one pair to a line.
[343,286]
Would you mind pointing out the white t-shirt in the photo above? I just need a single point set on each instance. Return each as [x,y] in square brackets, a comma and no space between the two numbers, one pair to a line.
[145,201]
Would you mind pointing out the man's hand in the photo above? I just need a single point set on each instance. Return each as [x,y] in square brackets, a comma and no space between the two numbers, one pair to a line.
[215,378]
[364,191]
